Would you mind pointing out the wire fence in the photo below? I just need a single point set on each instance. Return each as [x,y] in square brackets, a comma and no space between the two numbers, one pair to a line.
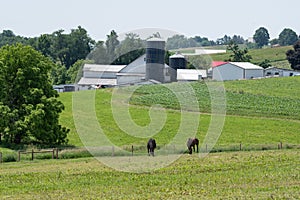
[134,150]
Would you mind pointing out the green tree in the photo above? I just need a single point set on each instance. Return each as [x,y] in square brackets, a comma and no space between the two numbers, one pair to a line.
[293,56]
[129,49]
[98,54]
[68,48]
[261,37]
[265,64]
[111,44]
[44,43]
[59,75]
[7,37]
[27,97]
[200,62]
[177,42]
[239,55]
[287,37]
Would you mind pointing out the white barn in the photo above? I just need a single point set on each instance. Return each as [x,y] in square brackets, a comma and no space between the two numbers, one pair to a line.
[99,75]
[237,71]
[279,72]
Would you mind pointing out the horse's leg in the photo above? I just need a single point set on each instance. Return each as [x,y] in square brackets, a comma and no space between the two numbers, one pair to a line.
[197,148]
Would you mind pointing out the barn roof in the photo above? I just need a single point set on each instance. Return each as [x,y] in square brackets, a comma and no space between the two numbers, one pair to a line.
[243,65]
[217,63]
[103,68]
[246,65]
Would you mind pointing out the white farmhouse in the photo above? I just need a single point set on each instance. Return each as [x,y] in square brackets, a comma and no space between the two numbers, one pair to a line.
[236,71]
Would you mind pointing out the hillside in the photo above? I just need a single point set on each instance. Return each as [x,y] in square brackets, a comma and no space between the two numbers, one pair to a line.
[263,111]
[275,55]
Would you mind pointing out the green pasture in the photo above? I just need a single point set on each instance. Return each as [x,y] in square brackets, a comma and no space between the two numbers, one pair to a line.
[262,111]
[235,175]
[260,115]
[259,55]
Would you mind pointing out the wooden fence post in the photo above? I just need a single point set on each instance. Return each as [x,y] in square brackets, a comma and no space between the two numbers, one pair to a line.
[240,146]
[280,145]
[19,156]
[32,154]
[131,150]
[53,153]
[56,153]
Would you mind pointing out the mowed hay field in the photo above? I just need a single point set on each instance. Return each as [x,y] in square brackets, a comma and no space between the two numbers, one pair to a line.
[260,115]
[235,175]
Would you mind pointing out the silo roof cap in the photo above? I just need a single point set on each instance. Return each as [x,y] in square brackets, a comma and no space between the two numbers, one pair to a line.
[177,55]
[156,40]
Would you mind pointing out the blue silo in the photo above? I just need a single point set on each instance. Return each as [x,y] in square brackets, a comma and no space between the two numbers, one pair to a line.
[176,61]
[155,59]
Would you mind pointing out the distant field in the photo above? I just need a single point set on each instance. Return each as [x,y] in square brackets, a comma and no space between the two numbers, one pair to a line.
[237,175]
[276,56]
[258,55]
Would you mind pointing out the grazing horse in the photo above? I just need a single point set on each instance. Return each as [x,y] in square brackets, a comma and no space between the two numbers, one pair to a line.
[191,145]
[151,145]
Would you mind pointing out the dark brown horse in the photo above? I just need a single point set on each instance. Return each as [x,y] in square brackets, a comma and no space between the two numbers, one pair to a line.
[151,145]
[191,143]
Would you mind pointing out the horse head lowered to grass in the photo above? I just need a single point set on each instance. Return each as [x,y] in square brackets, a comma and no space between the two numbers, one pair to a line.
[191,143]
[151,145]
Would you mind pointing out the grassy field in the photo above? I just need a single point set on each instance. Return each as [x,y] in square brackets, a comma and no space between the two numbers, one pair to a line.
[262,111]
[260,115]
[237,175]
[276,56]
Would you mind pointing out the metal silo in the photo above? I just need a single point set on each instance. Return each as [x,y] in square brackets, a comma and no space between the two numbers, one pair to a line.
[176,61]
[155,59]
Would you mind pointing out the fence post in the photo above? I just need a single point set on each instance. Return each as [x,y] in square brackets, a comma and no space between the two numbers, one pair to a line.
[53,153]
[280,145]
[113,151]
[240,146]
[19,156]
[56,153]
[131,150]
[32,154]
[0,157]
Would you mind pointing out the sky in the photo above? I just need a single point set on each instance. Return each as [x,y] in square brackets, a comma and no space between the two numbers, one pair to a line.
[210,18]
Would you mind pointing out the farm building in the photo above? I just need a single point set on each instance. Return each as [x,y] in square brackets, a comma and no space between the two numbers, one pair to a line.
[279,72]
[191,75]
[99,75]
[149,68]
[236,71]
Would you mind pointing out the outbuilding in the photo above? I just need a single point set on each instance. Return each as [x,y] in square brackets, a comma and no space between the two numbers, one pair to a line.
[237,71]
[279,72]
